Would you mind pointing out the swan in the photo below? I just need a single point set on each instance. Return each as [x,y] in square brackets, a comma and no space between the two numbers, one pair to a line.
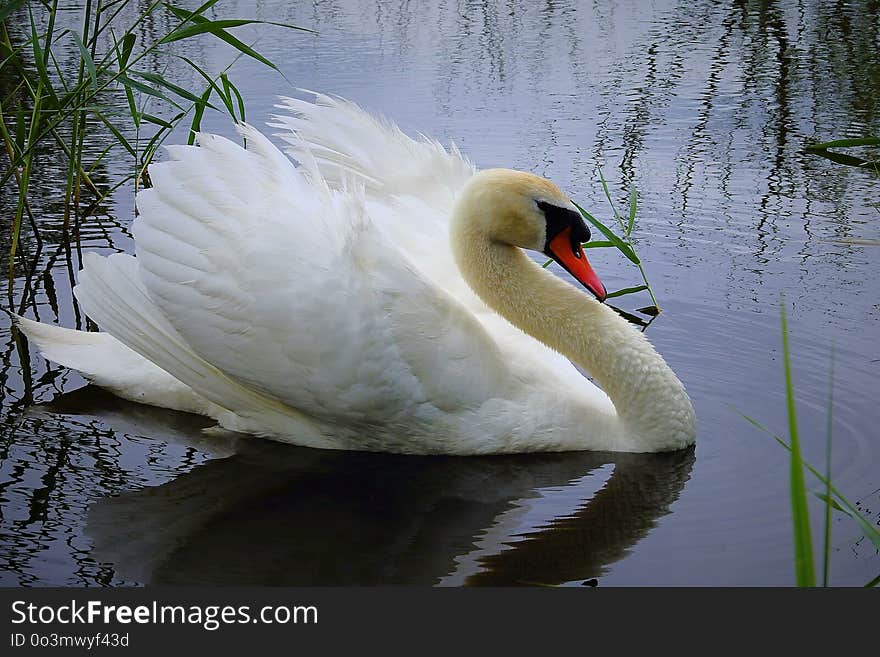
[366,291]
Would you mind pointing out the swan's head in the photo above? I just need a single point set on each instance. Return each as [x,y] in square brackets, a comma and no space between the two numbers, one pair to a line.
[525,210]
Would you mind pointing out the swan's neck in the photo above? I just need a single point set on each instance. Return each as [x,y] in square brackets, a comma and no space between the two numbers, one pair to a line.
[651,403]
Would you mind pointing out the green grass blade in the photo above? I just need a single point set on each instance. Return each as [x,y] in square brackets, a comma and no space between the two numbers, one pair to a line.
[867,527]
[803,543]
[157,79]
[633,204]
[845,143]
[157,121]
[225,96]
[626,290]
[87,59]
[124,54]
[622,246]
[598,244]
[196,124]
[842,158]
[100,158]
[208,78]
[238,100]
[850,509]
[218,27]
[116,133]
[186,15]
[227,37]
[605,187]
[611,201]
[227,93]
[10,7]
[831,504]
[40,63]
[874,582]
[157,139]
[146,89]
[204,26]
[246,49]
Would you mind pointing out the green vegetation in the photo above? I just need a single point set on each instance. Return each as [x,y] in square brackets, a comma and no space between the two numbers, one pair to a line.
[46,103]
[624,244]
[831,497]
[822,150]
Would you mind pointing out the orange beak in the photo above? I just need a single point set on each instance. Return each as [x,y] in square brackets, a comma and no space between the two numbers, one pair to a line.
[570,254]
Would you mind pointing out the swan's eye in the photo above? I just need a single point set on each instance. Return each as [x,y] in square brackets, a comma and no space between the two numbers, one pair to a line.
[559,218]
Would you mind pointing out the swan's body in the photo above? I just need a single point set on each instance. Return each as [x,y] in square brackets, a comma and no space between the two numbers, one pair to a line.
[374,297]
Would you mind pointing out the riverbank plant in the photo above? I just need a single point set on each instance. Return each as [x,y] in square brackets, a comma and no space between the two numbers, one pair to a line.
[115,89]
[623,242]
[831,498]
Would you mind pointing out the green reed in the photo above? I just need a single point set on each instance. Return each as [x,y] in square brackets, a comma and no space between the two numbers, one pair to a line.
[46,104]
[823,150]
[623,243]
[831,497]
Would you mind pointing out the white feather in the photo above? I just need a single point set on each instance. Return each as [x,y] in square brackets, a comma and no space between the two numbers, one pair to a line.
[318,303]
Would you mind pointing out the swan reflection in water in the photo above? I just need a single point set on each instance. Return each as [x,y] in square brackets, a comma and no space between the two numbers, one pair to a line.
[272,514]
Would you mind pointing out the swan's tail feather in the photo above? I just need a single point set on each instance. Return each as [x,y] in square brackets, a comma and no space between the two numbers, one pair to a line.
[143,358]
[77,350]
[106,362]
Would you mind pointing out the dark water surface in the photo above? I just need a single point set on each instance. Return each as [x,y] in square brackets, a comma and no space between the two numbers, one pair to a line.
[705,107]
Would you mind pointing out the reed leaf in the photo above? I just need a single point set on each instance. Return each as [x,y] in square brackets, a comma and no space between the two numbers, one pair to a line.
[196,124]
[146,89]
[850,509]
[803,542]
[87,59]
[124,53]
[633,203]
[226,36]
[238,98]
[217,28]
[40,63]
[211,82]
[116,133]
[626,290]
[155,120]
[157,79]
[845,143]
[622,246]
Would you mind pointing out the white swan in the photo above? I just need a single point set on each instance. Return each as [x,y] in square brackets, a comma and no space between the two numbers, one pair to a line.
[374,297]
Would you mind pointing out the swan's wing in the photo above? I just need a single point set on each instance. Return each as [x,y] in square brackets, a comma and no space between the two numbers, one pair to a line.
[345,142]
[286,285]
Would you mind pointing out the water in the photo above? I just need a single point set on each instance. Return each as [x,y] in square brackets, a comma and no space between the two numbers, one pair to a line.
[705,107]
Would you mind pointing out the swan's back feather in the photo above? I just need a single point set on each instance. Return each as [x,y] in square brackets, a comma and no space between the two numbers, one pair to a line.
[288,287]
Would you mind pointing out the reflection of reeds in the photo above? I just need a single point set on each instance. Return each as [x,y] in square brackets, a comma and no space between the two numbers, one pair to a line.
[46,103]
[831,496]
